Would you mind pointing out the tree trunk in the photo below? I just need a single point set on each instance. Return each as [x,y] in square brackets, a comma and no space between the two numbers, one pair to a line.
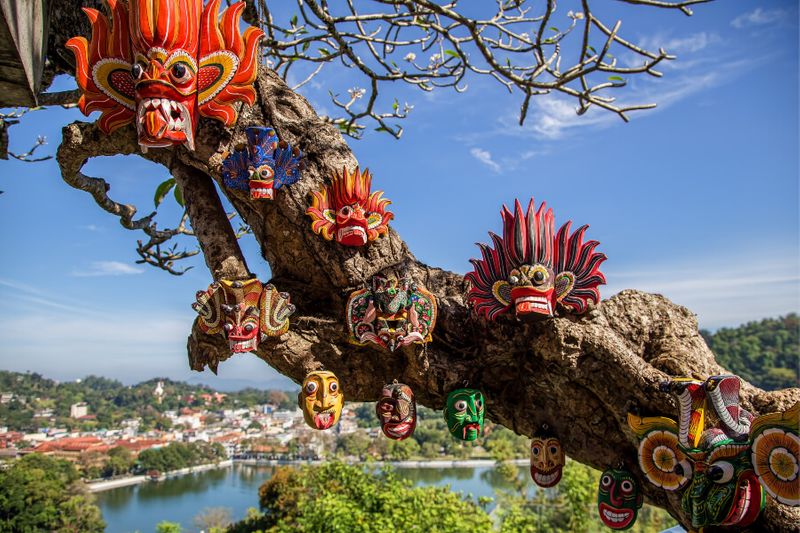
[580,375]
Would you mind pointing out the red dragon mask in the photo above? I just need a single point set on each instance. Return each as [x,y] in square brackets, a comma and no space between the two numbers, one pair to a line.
[534,269]
[348,211]
[160,63]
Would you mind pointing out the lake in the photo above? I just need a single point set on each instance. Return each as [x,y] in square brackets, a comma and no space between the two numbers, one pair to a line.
[180,499]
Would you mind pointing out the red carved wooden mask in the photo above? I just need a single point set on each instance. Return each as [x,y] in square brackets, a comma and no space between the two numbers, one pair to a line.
[532,269]
[160,64]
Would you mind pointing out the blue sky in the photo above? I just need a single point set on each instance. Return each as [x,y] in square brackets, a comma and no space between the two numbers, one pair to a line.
[697,200]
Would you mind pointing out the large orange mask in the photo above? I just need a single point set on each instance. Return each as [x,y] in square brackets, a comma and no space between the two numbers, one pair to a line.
[161,63]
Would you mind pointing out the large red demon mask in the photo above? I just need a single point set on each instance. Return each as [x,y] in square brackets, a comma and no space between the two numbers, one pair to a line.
[533,269]
[348,211]
[161,63]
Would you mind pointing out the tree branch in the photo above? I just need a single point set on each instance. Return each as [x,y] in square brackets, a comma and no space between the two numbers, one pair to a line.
[580,375]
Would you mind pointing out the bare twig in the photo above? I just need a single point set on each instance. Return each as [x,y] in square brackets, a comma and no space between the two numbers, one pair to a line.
[431,44]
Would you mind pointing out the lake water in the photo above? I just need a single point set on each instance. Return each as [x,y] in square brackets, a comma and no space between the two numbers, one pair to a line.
[180,499]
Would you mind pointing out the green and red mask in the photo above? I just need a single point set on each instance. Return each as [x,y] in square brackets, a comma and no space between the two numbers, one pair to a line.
[719,457]
[464,414]
[618,499]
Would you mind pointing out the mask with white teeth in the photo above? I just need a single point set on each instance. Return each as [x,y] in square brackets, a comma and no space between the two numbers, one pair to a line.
[154,65]
[547,458]
[346,210]
[534,270]
[618,499]
[244,312]
[264,165]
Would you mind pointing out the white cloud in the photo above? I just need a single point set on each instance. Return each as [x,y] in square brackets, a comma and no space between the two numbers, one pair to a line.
[108,268]
[757,17]
[679,45]
[722,291]
[485,157]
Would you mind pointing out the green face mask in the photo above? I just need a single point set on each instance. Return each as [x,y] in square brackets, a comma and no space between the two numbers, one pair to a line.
[618,499]
[464,414]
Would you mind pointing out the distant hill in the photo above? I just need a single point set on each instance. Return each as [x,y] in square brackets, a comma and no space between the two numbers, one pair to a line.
[765,353]
[31,401]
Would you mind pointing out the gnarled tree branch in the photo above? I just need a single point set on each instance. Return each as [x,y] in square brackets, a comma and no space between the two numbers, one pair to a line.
[580,375]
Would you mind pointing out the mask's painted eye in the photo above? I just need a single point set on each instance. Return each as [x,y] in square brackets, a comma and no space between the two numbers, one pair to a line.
[346,211]
[606,481]
[227,327]
[180,72]
[333,386]
[535,450]
[137,71]
[513,280]
[311,387]
[684,468]
[553,450]
[720,472]
[538,276]
[460,406]
[479,404]
[386,407]
[626,486]
[249,327]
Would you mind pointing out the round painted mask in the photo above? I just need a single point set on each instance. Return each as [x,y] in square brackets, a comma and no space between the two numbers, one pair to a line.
[618,499]
[397,411]
[547,459]
[321,399]
[464,414]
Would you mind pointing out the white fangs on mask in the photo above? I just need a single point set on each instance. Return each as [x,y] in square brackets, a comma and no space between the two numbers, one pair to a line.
[183,123]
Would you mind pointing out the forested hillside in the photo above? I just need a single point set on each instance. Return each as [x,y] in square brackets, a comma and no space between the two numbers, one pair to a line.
[766,353]
[31,401]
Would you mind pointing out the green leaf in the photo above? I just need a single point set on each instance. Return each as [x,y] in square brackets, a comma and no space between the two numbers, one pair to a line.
[324,52]
[179,195]
[553,28]
[306,45]
[451,53]
[162,190]
[395,105]
[293,20]
[616,78]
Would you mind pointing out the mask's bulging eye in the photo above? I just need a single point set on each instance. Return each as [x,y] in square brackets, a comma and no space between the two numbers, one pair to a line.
[346,211]
[137,71]
[227,328]
[536,451]
[720,472]
[333,387]
[249,327]
[538,276]
[626,486]
[180,73]
[553,450]
[606,481]
[460,406]
[311,387]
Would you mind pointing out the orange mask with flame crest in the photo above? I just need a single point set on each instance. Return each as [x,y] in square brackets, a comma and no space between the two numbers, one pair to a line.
[162,63]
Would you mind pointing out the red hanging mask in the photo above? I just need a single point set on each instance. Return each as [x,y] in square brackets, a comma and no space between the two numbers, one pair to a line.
[161,64]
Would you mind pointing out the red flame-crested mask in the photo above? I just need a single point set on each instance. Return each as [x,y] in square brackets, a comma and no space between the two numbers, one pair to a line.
[533,269]
[348,211]
[158,63]
[245,312]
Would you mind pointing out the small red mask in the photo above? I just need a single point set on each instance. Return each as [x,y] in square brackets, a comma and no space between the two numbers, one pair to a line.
[347,211]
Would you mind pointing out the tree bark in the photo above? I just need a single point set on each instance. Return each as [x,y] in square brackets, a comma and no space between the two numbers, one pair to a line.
[580,375]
